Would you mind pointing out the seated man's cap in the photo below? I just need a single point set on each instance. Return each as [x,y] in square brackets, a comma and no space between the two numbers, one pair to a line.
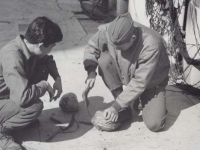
[121,29]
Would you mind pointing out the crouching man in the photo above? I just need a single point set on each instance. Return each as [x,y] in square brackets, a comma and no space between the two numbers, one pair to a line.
[128,53]
[24,69]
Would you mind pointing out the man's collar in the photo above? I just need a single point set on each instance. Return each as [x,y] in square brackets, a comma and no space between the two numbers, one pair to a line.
[23,47]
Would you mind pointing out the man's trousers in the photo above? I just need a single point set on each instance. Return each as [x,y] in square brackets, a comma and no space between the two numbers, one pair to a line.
[13,117]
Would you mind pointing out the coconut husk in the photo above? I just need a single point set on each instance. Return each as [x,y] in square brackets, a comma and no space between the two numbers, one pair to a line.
[102,124]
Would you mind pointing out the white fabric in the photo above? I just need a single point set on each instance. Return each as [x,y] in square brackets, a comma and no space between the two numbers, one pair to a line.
[137,10]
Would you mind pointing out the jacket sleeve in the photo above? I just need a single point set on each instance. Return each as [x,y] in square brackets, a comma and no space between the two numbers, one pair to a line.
[93,49]
[147,63]
[16,80]
[51,65]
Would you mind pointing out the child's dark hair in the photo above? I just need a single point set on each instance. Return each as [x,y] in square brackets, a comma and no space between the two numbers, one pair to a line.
[43,30]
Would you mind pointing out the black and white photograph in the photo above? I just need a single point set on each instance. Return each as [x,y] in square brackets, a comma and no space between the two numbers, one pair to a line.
[99,74]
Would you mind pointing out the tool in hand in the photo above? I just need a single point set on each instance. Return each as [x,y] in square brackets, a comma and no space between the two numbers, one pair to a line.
[85,98]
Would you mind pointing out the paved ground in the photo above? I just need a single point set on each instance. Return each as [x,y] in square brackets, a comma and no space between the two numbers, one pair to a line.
[182,130]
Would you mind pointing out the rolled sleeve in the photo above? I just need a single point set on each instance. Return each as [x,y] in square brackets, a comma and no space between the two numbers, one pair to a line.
[93,49]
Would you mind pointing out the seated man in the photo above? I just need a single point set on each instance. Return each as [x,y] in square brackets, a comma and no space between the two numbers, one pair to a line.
[133,55]
[24,69]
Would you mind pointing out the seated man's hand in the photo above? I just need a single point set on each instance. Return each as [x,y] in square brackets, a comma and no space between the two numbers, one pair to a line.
[50,91]
[57,86]
[111,114]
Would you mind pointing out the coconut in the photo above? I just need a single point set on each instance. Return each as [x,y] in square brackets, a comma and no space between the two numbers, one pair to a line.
[69,103]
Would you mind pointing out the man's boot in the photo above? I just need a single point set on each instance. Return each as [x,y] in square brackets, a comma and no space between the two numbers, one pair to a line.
[7,142]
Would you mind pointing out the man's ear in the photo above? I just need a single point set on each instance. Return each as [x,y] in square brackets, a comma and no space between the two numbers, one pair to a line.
[134,37]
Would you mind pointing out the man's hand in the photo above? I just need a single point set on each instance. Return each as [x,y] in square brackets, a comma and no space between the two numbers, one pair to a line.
[57,86]
[111,114]
[91,79]
[50,91]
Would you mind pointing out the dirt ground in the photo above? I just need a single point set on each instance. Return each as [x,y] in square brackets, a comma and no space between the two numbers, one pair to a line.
[182,129]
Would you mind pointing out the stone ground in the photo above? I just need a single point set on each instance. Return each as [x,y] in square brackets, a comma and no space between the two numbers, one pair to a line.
[182,130]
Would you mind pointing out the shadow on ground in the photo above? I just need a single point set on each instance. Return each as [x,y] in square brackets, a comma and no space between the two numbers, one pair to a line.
[47,128]
[177,102]
[81,125]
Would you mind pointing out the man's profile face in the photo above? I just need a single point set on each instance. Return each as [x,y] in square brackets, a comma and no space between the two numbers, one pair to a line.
[45,50]
[125,46]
